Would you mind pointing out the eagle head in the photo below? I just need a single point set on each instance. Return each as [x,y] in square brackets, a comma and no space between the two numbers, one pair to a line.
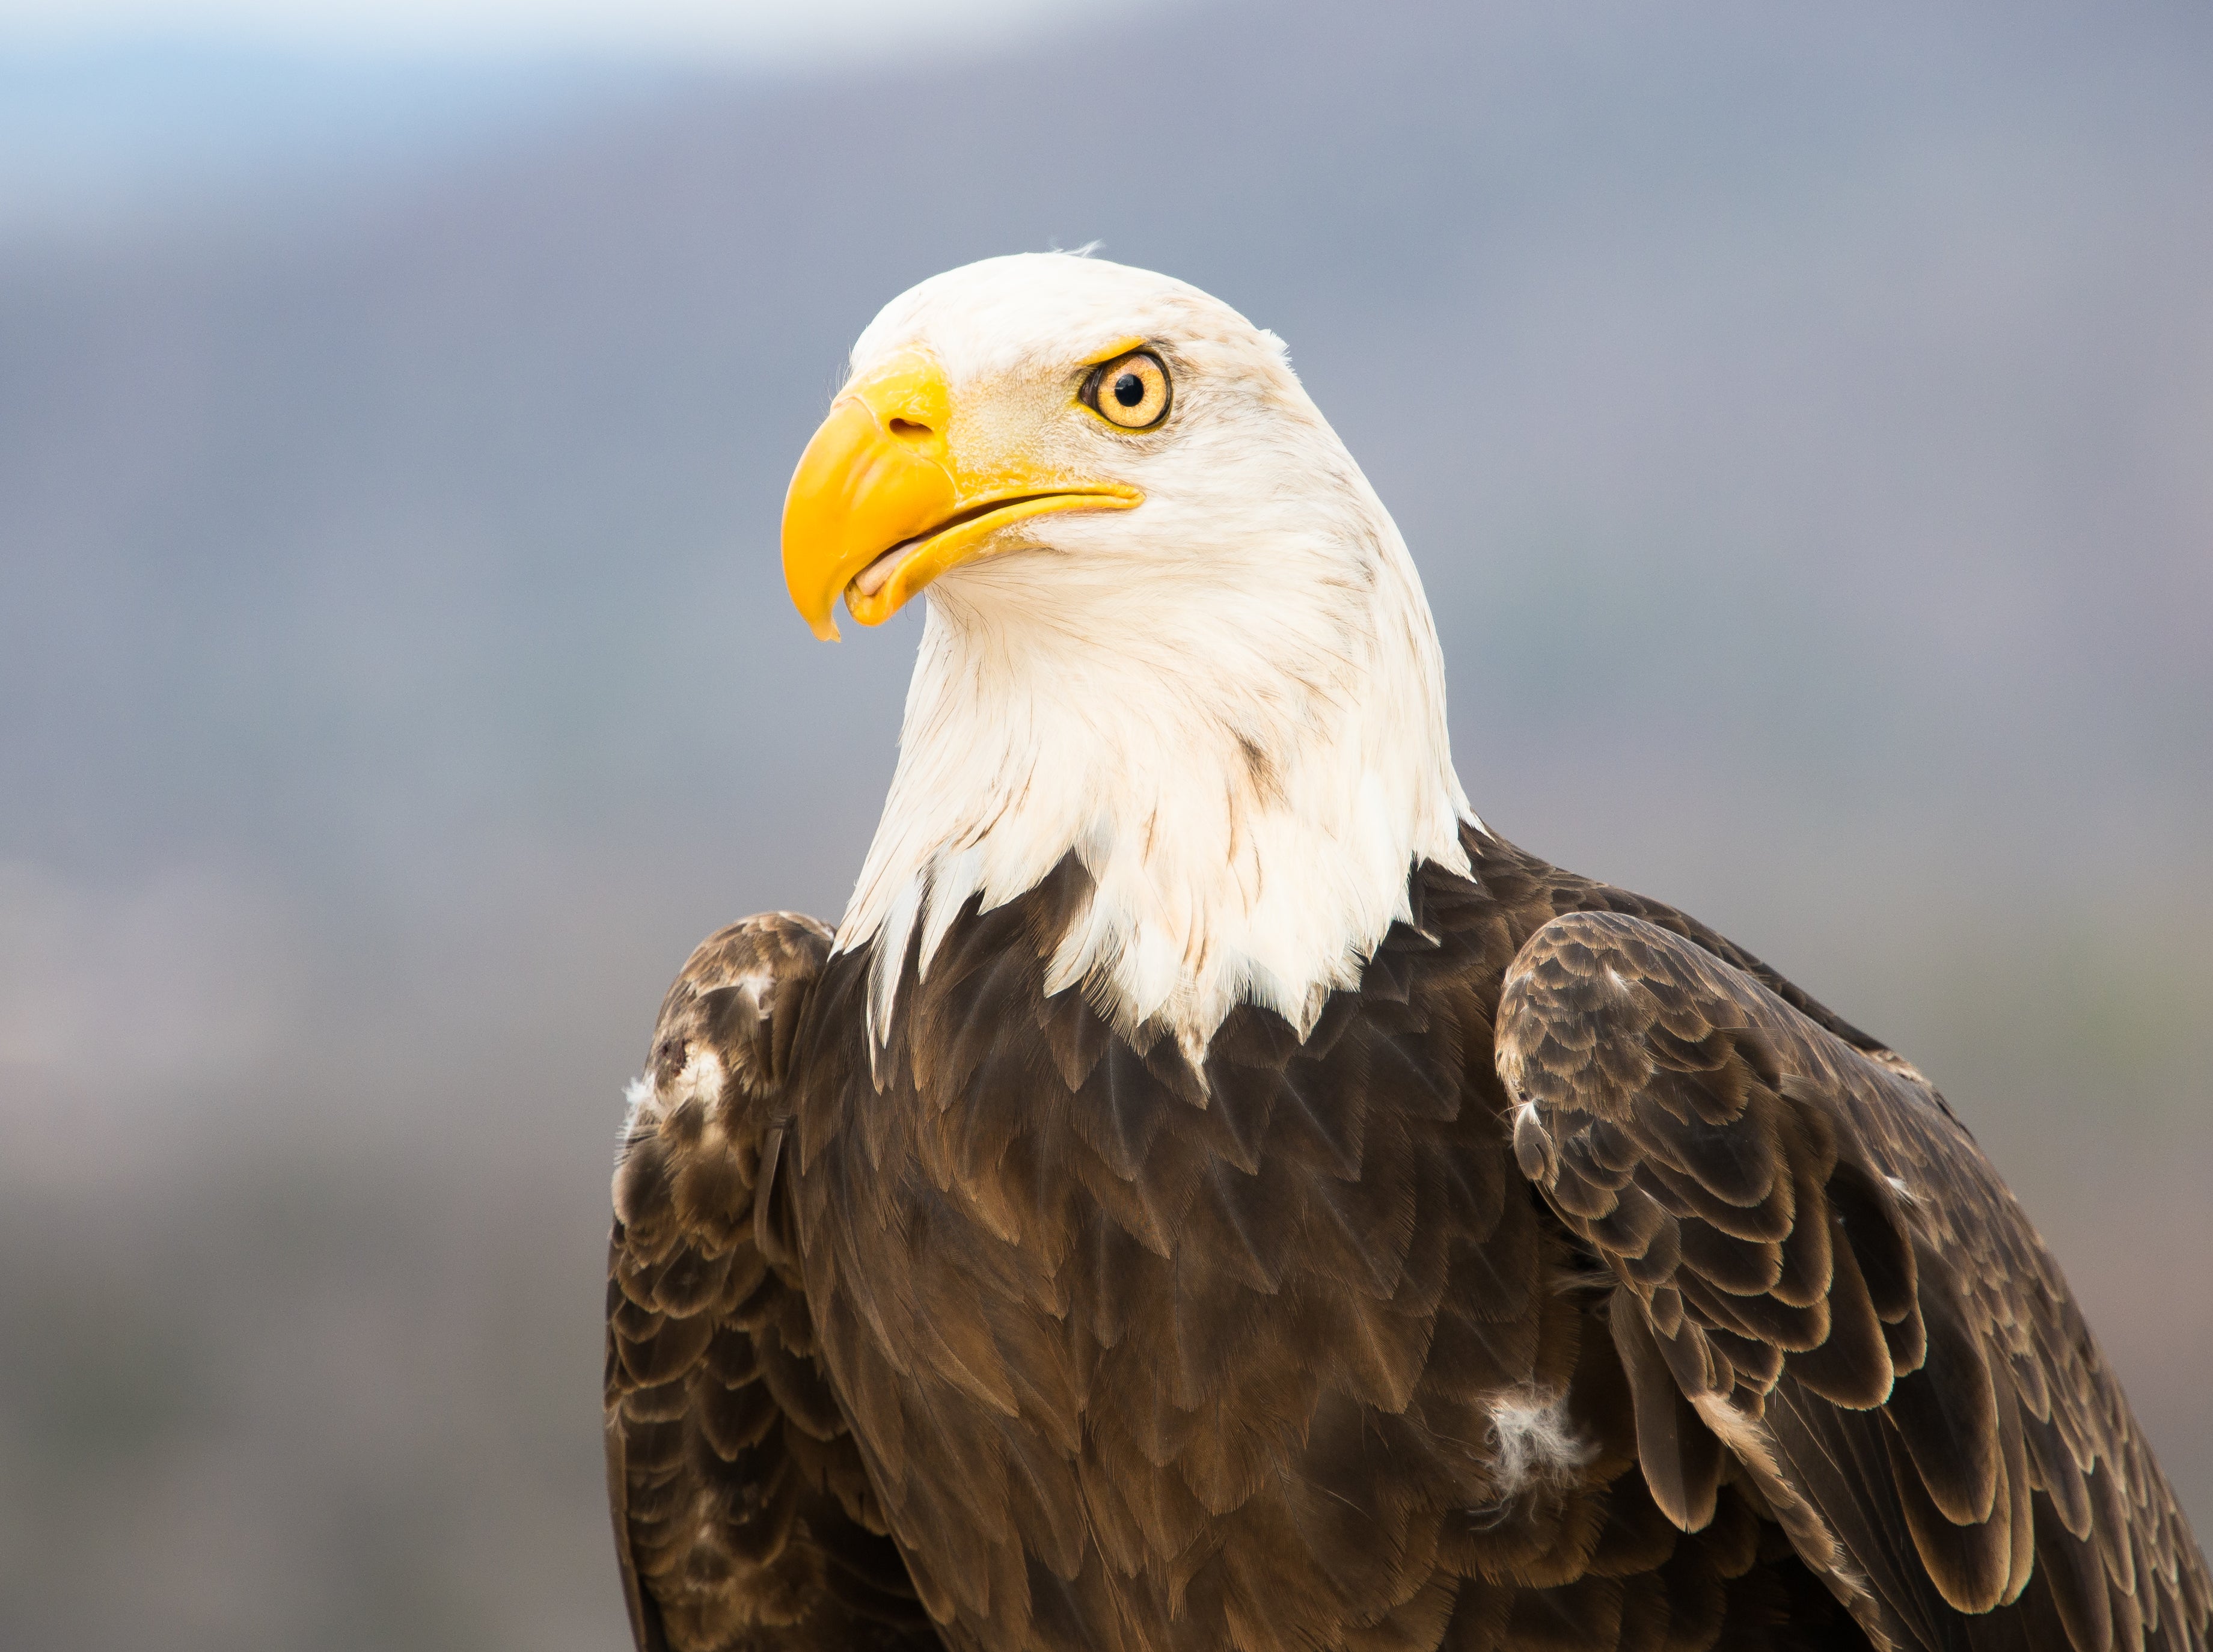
[1172,631]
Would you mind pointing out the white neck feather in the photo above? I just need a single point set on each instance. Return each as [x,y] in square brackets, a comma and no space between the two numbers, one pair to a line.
[1248,783]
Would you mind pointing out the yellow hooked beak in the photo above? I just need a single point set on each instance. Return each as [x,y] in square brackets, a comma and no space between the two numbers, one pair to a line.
[881,504]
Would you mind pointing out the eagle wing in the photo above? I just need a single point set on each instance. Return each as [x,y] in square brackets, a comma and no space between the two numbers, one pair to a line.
[743,1516]
[1823,1292]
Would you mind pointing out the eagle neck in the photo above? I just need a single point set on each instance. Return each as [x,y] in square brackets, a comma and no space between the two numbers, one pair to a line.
[1248,795]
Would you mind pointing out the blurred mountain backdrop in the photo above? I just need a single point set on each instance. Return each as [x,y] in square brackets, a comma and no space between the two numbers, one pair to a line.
[1803,418]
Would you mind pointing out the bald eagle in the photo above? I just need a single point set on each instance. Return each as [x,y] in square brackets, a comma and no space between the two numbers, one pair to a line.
[1211,1191]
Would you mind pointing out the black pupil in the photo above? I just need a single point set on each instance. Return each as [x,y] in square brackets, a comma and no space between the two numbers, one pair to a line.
[1129,390]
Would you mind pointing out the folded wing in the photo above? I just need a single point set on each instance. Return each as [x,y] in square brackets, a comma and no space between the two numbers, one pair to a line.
[1825,1293]
[743,1516]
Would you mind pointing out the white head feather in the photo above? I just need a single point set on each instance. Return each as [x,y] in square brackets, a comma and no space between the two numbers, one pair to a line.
[1229,703]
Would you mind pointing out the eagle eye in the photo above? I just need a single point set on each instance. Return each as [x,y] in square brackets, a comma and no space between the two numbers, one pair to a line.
[1131,392]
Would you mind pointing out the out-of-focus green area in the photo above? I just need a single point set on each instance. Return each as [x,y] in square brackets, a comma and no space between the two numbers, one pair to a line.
[1802,420]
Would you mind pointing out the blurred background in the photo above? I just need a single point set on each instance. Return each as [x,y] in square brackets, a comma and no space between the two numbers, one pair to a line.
[1803,418]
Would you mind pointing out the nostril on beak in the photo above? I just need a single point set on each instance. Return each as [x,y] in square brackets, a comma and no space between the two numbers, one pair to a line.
[908,429]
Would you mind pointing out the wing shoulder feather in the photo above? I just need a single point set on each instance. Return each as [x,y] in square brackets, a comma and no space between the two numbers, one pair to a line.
[743,1516]
[1817,1268]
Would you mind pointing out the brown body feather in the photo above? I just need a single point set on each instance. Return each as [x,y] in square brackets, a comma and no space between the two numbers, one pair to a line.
[1027,1335]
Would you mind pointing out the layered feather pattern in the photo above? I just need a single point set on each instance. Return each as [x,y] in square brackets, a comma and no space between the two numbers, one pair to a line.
[1819,1271]
[743,1517]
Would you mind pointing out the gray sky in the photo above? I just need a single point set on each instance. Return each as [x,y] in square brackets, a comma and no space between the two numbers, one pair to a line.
[116,115]
[743,30]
